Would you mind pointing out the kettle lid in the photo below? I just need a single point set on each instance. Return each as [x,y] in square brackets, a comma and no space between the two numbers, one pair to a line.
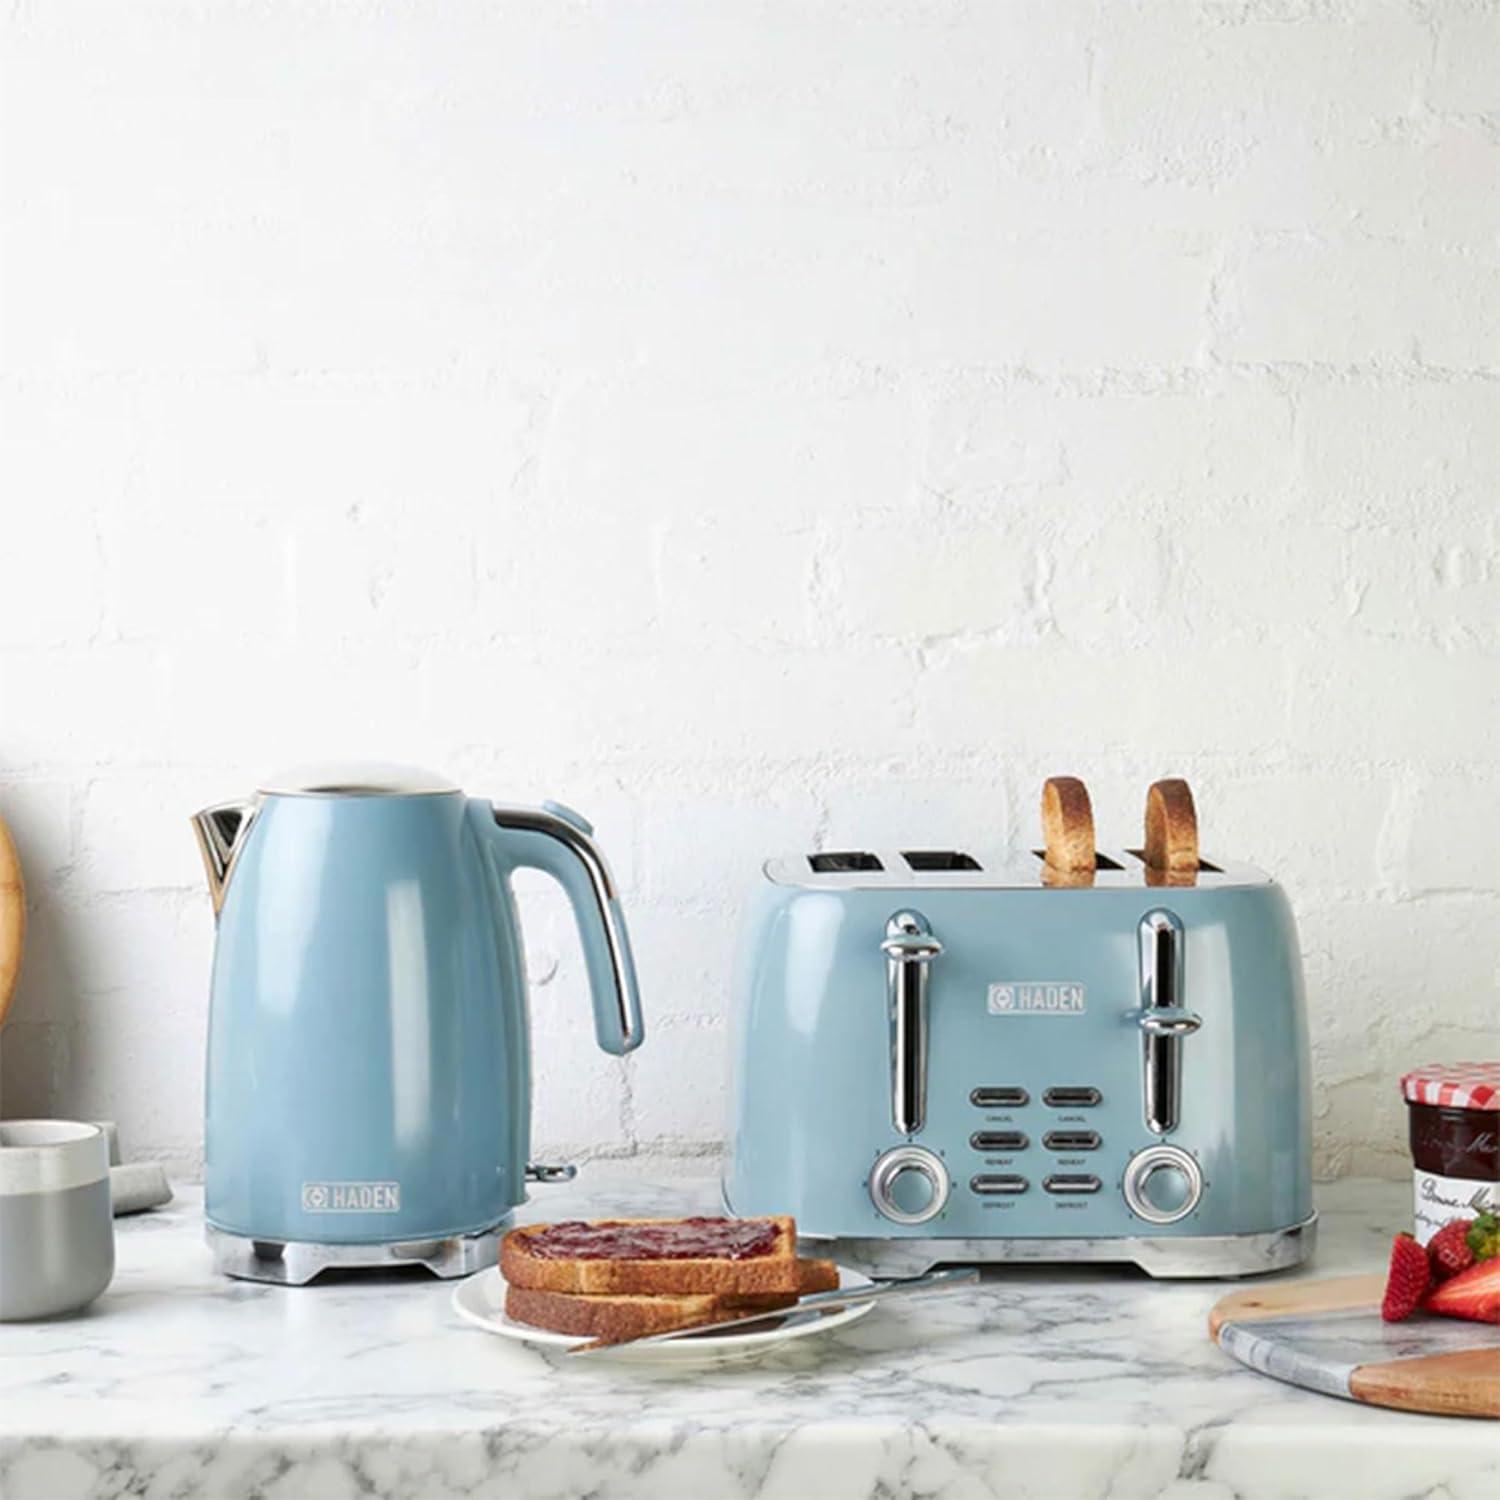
[355,779]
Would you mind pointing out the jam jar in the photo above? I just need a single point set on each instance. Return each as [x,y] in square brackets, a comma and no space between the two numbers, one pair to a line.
[1453,1118]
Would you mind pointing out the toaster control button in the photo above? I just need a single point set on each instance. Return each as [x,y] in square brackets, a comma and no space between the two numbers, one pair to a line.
[1071,1098]
[1067,1184]
[1163,1184]
[992,1184]
[999,1098]
[999,1140]
[909,1185]
[1071,1140]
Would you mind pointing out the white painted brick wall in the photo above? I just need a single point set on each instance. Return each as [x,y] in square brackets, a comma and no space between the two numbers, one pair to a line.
[762,426]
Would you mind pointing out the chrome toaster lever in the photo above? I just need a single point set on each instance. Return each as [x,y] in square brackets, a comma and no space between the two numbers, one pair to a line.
[1163,1021]
[909,948]
[1169,1023]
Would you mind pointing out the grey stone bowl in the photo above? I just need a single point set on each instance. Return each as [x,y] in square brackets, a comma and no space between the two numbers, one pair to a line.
[57,1233]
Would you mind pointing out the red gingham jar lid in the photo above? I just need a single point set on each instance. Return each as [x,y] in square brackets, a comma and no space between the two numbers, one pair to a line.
[1454,1085]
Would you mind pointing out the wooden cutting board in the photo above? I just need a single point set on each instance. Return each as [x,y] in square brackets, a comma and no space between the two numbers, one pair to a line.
[1328,1336]
[12,919]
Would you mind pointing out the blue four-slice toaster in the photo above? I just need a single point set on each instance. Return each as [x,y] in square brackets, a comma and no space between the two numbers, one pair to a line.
[938,1056]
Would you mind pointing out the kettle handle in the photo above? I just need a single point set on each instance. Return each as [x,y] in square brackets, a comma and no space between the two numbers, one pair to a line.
[556,840]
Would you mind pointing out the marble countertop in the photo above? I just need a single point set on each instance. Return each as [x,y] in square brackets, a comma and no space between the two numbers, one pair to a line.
[1042,1382]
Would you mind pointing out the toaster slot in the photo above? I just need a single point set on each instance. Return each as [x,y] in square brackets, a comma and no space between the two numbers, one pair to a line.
[999,1140]
[939,859]
[1203,865]
[1101,861]
[843,862]
[999,1098]
[1081,1097]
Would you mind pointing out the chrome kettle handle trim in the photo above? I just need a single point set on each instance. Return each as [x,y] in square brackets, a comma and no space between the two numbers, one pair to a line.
[588,854]
[540,820]
[221,831]
[909,949]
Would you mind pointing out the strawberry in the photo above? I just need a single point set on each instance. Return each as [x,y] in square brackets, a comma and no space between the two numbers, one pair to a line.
[1474,1293]
[1449,1251]
[1407,1280]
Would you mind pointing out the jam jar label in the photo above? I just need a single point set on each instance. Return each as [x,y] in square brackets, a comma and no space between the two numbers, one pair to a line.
[1439,1199]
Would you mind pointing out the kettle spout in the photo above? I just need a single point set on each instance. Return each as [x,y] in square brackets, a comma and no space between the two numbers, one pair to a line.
[221,830]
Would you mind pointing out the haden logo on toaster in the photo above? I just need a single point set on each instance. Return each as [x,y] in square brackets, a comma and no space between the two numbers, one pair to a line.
[1037,997]
[351,1197]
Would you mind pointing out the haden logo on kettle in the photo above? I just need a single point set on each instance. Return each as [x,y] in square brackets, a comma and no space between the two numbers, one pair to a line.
[1039,997]
[351,1197]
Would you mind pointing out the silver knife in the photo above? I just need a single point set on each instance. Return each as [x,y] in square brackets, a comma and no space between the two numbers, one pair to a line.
[876,1291]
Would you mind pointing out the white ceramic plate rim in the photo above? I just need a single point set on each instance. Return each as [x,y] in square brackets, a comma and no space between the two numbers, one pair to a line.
[480,1300]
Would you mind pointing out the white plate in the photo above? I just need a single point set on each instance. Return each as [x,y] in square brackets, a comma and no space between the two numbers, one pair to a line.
[480,1300]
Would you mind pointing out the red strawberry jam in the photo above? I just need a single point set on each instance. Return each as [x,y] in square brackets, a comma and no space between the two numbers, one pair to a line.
[665,1239]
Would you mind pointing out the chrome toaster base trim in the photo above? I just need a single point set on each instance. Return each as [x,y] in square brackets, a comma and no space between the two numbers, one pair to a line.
[1165,1256]
[296,1262]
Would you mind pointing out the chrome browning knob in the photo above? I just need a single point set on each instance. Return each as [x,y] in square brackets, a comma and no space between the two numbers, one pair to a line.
[1163,1184]
[909,1185]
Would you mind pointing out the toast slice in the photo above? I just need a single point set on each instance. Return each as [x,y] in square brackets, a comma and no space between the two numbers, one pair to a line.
[616,1319]
[12,919]
[1067,826]
[663,1257]
[816,1276]
[1171,828]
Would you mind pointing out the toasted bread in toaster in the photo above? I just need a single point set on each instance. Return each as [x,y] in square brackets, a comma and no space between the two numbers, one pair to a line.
[738,1257]
[12,918]
[631,1315]
[1171,828]
[1067,824]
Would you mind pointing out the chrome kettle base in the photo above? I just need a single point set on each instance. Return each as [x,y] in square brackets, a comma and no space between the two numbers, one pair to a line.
[296,1262]
[1168,1257]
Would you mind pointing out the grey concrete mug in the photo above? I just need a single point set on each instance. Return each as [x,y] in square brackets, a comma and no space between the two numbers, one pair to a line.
[57,1233]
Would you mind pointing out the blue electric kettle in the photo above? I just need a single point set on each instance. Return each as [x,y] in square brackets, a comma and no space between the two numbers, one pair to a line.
[369,1061]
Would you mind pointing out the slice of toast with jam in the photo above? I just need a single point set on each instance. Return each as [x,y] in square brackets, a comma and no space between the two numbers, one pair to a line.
[663,1257]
